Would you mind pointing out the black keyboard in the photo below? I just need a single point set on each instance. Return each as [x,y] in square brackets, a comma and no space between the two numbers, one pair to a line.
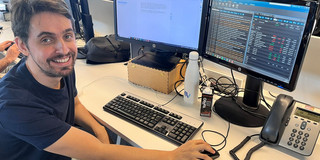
[160,120]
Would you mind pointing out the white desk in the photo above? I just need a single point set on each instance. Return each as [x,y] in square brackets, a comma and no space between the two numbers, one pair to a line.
[97,84]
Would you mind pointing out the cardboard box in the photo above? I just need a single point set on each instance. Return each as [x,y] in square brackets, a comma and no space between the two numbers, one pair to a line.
[159,80]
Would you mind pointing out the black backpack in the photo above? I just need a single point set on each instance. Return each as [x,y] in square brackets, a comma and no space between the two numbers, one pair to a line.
[106,50]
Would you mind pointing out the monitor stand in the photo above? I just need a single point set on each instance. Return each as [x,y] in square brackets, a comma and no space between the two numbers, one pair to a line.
[244,111]
[164,61]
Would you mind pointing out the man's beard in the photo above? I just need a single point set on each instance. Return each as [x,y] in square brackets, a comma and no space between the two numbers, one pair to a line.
[65,71]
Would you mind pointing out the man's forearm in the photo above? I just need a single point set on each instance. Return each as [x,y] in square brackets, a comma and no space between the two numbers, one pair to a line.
[87,121]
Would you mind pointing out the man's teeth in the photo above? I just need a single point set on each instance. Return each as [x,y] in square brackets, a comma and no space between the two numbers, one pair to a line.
[62,60]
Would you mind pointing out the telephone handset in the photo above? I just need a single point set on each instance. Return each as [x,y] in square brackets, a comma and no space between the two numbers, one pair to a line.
[274,123]
[293,125]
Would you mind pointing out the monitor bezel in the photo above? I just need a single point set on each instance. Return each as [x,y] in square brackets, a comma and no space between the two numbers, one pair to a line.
[159,46]
[289,86]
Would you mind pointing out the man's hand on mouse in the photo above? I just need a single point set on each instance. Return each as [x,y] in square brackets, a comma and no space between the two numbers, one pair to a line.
[192,150]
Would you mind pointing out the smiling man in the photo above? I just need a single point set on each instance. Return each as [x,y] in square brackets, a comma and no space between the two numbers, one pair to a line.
[38,97]
[51,47]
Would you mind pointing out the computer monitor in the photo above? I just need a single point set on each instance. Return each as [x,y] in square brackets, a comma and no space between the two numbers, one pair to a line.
[166,26]
[267,41]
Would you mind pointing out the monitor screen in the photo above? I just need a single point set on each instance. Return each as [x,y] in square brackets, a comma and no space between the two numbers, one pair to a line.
[166,25]
[265,40]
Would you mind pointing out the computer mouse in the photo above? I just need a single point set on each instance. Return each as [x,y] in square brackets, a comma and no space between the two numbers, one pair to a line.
[213,156]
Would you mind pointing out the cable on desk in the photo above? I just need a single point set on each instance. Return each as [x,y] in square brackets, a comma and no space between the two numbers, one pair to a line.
[177,83]
[183,65]
[224,89]
[172,98]
[253,149]
[250,152]
[234,82]
[264,100]
[203,77]
[239,146]
[231,90]
[224,141]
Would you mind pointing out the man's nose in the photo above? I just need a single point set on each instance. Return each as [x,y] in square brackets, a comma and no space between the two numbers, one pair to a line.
[62,47]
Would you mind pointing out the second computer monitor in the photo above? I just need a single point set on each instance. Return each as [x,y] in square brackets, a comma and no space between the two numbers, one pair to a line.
[266,41]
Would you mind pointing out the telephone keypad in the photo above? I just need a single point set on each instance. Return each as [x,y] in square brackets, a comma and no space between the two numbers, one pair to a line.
[298,139]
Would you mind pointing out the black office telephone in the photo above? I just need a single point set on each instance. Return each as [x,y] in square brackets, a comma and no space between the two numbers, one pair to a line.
[293,125]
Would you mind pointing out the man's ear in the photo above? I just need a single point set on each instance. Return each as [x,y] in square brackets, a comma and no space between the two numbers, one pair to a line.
[22,46]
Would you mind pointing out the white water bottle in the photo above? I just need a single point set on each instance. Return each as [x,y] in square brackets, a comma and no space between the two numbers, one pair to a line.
[191,82]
